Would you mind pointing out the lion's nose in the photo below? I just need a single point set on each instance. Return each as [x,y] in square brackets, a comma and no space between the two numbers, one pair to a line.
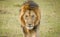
[29,24]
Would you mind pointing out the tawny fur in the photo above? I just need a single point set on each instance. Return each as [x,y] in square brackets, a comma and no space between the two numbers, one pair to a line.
[30,6]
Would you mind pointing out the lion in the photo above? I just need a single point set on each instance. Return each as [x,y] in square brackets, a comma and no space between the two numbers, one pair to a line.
[30,18]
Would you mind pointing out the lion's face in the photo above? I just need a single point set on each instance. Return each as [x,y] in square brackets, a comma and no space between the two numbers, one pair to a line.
[29,18]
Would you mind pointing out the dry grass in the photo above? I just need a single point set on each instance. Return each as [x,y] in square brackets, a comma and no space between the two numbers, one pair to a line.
[50,18]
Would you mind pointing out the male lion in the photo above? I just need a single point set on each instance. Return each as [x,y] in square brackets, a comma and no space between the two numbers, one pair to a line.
[30,18]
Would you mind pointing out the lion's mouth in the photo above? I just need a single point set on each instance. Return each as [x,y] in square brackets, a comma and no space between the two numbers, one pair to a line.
[29,27]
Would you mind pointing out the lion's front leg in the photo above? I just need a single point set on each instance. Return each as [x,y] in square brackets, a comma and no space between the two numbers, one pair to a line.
[25,32]
[30,35]
[25,35]
[34,34]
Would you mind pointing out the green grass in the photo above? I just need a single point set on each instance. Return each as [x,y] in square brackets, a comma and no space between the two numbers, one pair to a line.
[50,18]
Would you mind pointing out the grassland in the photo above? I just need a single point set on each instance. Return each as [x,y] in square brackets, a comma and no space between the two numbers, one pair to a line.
[50,18]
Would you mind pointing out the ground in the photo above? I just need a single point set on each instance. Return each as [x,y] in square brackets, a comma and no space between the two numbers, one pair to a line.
[9,18]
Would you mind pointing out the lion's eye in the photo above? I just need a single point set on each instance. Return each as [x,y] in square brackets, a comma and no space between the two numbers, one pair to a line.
[26,16]
[32,16]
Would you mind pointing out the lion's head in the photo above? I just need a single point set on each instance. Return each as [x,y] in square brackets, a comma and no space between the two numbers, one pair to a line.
[29,16]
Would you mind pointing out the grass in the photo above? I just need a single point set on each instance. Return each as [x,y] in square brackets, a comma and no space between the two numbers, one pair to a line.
[50,18]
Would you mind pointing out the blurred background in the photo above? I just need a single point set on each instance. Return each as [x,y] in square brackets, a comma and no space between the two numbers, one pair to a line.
[9,18]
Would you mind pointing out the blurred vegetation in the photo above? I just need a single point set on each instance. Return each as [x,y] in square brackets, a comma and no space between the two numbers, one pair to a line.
[9,18]
[2,0]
